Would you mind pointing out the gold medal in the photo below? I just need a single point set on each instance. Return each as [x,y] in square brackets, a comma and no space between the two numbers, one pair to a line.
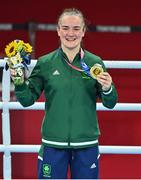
[96,70]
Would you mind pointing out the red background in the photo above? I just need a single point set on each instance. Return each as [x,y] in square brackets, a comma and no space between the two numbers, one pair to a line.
[117,128]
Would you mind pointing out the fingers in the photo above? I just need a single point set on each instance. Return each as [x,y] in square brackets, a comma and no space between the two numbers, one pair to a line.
[105,80]
[13,72]
[17,75]
[16,71]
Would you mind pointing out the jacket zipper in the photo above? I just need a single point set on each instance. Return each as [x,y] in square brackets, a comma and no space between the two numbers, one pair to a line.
[70,108]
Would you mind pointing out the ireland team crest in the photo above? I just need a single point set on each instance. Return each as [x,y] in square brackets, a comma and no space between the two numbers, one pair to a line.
[46,170]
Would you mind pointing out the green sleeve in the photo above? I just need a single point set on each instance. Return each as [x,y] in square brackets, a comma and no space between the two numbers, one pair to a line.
[109,98]
[28,92]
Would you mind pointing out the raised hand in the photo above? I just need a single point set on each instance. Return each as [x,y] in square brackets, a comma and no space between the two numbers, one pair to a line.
[105,80]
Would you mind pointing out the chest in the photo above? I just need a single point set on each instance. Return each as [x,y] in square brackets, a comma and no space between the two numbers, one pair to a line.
[62,77]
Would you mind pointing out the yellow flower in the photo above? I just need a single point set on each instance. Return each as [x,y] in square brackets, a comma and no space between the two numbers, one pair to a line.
[27,47]
[19,45]
[10,49]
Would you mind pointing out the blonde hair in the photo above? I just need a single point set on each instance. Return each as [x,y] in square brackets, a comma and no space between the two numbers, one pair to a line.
[72,12]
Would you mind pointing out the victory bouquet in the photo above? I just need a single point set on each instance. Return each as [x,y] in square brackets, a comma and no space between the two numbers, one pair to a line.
[18,57]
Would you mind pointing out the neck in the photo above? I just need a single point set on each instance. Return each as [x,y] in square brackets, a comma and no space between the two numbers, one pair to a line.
[71,53]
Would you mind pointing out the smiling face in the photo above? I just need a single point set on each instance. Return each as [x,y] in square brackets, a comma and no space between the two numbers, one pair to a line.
[71,30]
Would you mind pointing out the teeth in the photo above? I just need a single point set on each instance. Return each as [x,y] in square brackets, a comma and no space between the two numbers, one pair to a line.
[70,39]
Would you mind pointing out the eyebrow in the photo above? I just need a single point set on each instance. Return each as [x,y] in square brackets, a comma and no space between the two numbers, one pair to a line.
[77,26]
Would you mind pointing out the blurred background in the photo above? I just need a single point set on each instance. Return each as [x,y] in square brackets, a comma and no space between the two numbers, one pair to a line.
[34,22]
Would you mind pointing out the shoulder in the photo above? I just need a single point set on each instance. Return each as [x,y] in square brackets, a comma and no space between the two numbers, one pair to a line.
[92,56]
[46,61]
[47,57]
[92,59]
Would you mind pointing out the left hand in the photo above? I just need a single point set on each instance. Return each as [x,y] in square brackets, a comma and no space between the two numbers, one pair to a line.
[17,75]
[105,80]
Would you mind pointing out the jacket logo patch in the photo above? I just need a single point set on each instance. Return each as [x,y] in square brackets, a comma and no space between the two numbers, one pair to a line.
[46,170]
[56,72]
[93,166]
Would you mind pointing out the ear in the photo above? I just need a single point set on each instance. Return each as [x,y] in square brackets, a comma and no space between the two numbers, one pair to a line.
[58,30]
[84,30]
[83,33]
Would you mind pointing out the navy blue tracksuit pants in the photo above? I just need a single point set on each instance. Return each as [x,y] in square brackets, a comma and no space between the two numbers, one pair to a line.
[55,162]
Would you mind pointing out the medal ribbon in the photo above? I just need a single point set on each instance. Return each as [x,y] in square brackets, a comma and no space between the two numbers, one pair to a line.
[84,66]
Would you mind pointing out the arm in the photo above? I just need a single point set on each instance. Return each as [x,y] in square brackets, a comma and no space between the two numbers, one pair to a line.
[107,91]
[30,90]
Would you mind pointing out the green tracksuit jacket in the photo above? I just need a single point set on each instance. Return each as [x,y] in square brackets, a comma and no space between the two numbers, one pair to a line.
[70,119]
